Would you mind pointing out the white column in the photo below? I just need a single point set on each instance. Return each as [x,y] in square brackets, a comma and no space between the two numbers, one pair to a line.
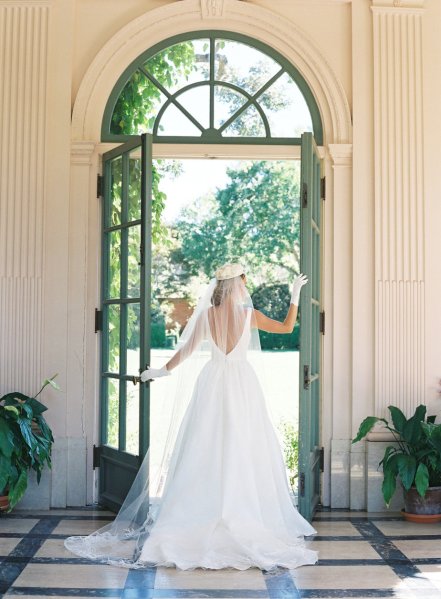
[399,222]
[23,74]
[83,286]
[341,155]
[399,205]
[363,302]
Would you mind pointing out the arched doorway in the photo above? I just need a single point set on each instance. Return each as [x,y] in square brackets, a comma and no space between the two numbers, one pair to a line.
[119,52]
[207,87]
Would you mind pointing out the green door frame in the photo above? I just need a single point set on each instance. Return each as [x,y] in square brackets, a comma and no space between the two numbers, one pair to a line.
[211,135]
[118,466]
[310,454]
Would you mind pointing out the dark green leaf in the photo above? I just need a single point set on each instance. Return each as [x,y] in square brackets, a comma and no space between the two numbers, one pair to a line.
[37,406]
[392,462]
[398,418]
[388,452]
[14,398]
[6,438]
[366,426]
[5,472]
[389,486]
[26,431]
[432,432]
[406,469]
[412,430]
[18,490]
[422,479]
[28,410]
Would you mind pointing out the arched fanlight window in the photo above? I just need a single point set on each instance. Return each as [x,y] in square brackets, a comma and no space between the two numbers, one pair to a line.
[212,87]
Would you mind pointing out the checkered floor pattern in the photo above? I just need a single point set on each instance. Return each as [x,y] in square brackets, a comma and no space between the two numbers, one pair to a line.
[361,555]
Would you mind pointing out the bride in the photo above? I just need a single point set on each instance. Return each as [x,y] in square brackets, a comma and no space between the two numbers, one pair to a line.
[226,501]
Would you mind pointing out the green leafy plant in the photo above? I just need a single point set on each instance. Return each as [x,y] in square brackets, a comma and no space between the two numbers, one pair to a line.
[290,437]
[416,457]
[25,441]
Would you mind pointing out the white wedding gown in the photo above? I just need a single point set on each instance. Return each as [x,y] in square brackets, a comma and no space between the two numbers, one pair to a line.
[226,502]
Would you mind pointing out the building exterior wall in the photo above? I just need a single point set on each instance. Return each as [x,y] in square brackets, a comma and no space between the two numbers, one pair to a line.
[50,219]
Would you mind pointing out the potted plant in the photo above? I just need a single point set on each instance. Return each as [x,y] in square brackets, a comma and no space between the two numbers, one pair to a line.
[25,443]
[415,459]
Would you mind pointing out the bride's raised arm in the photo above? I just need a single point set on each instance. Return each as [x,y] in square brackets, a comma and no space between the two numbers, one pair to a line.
[264,323]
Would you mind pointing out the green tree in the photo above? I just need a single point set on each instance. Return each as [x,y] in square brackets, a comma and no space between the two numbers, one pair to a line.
[137,106]
[255,219]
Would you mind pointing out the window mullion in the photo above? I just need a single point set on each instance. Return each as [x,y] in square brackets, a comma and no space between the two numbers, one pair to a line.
[252,100]
[172,99]
[212,69]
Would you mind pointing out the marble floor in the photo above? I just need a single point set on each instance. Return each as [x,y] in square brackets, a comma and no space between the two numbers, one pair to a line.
[361,555]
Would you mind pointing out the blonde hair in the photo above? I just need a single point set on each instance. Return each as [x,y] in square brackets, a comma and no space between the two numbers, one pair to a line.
[222,289]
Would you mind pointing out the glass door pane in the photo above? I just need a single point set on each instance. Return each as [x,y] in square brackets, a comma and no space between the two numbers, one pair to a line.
[126,309]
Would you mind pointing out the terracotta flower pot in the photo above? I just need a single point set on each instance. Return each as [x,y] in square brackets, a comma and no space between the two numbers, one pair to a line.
[429,505]
[4,502]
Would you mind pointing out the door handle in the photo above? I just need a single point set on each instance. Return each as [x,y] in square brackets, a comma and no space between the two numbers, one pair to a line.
[137,379]
[306,377]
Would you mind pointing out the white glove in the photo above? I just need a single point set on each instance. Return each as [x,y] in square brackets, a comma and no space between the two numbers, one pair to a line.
[297,287]
[153,373]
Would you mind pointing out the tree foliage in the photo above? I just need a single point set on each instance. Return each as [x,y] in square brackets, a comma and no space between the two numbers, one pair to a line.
[254,219]
[274,300]
[136,108]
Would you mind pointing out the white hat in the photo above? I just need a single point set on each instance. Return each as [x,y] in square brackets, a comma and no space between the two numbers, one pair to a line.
[229,271]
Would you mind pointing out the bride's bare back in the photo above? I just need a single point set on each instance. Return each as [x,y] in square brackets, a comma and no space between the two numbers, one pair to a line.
[226,325]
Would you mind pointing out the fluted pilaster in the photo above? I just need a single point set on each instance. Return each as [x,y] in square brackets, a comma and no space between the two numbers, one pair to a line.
[399,204]
[23,76]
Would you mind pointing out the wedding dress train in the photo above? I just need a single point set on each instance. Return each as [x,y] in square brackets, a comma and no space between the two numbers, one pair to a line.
[226,500]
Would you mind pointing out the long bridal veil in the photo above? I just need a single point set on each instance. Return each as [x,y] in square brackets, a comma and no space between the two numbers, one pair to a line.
[217,324]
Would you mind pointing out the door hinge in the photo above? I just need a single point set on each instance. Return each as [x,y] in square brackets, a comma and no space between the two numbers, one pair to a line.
[98,320]
[302,484]
[306,379]
[96,456]
[323,188]
[304,194]
[322,323]
[99,186]
[322,459]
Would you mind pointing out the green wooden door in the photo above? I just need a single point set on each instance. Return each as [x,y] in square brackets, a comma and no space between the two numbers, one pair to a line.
[310,338]
[126,298]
